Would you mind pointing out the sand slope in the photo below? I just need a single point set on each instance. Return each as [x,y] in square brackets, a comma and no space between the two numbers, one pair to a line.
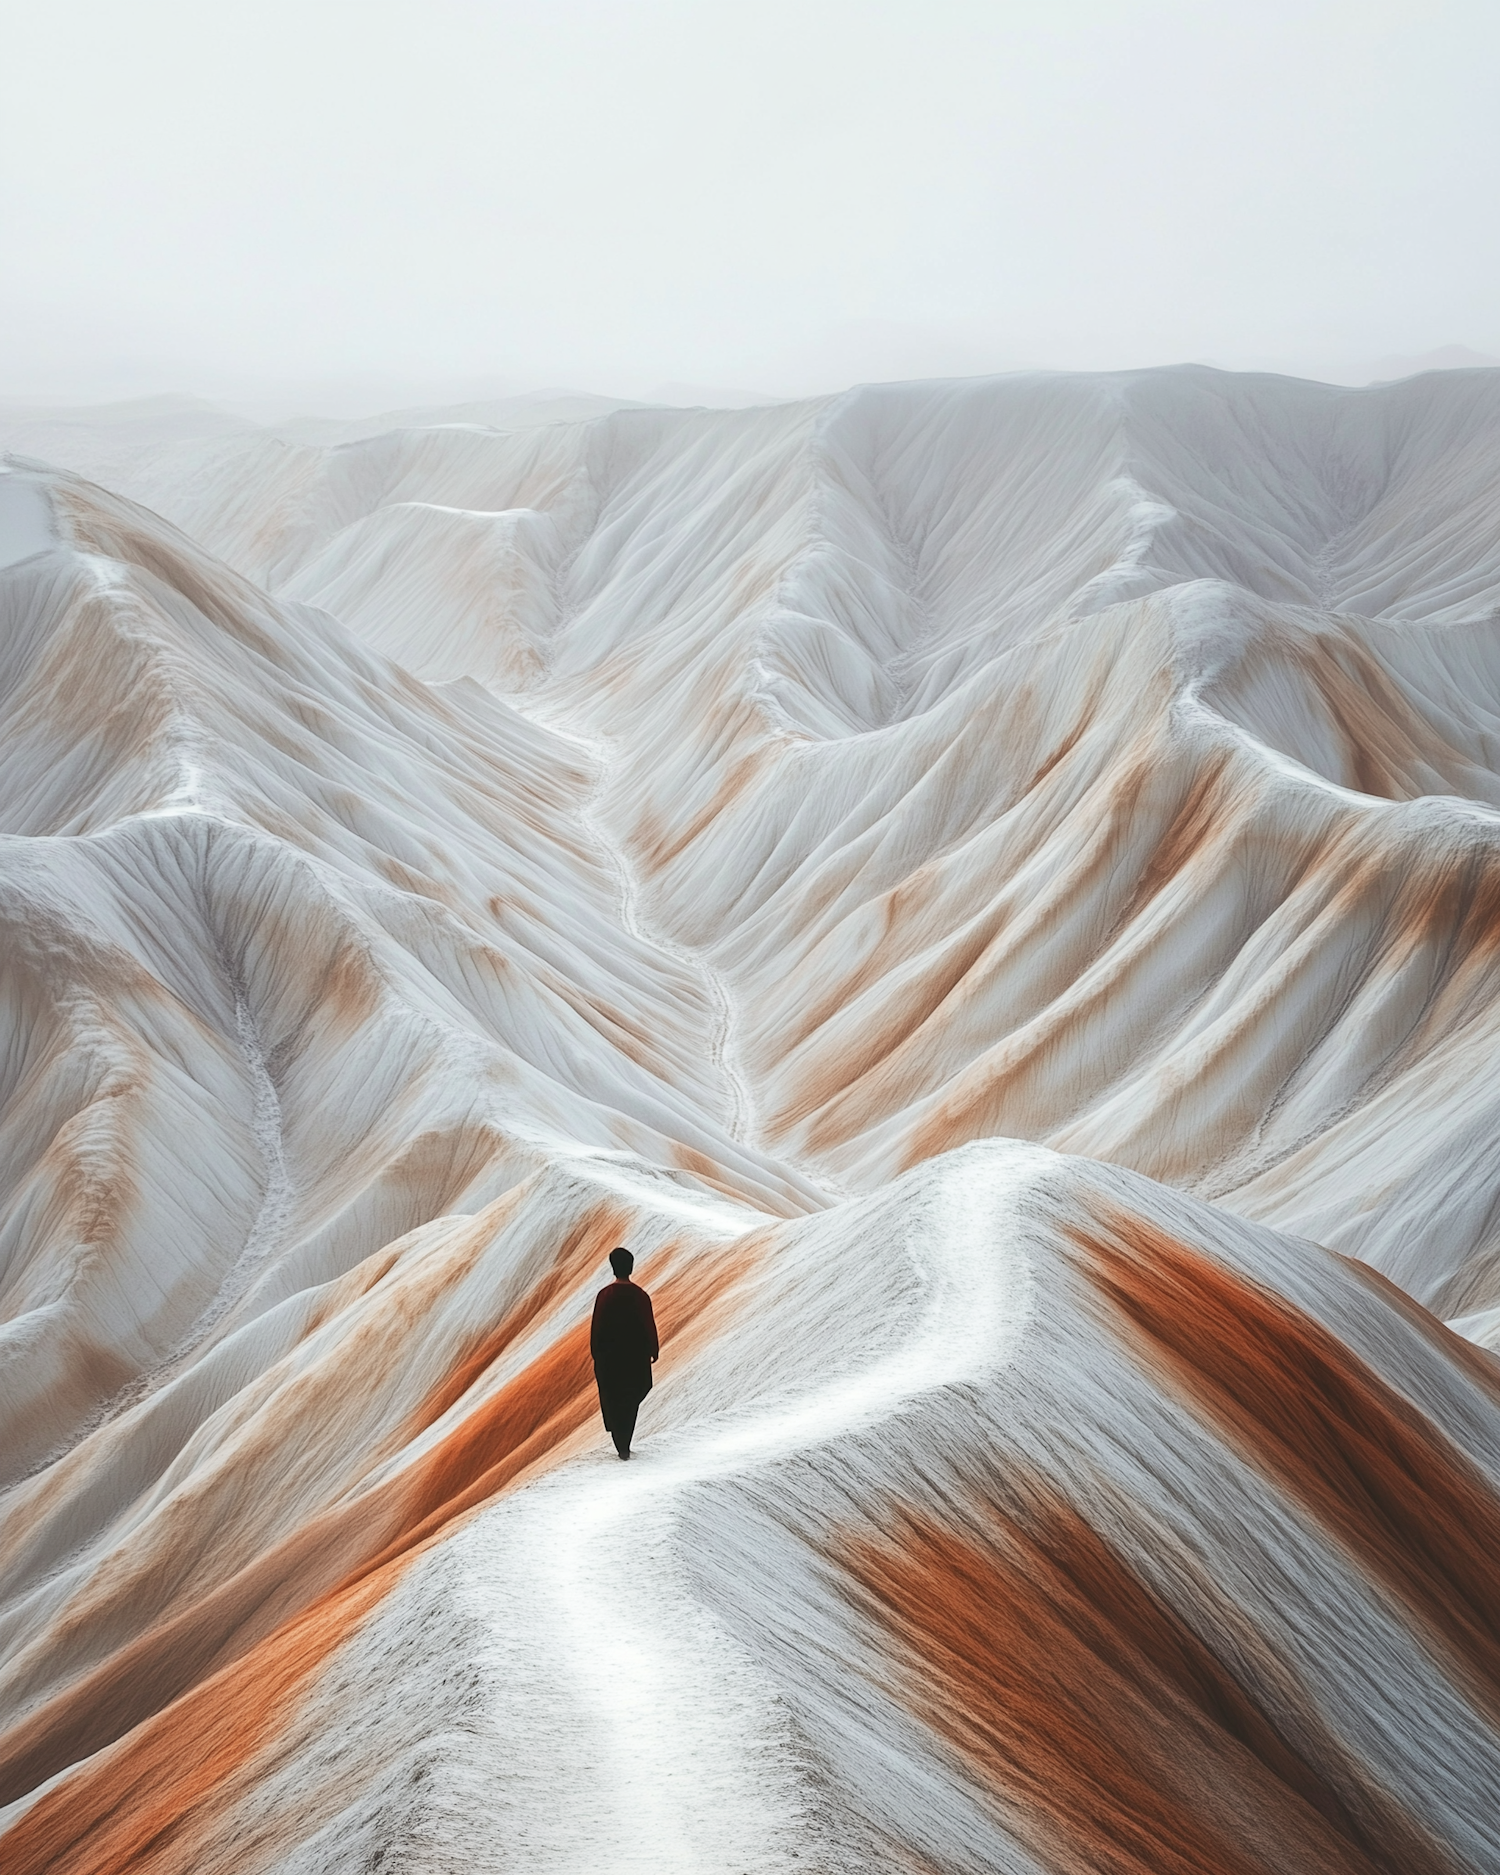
[993,890]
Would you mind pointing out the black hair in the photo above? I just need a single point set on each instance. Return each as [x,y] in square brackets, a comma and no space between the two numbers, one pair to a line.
[621,1262]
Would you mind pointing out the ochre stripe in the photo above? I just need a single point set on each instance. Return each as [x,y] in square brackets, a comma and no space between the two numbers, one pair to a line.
[584,1247]
[218,1626]
[1359,1457]
[1113,1740]
[126,1809]
[144,1803]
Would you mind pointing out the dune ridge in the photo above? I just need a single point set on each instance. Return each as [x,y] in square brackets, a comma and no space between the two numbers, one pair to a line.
[992,889]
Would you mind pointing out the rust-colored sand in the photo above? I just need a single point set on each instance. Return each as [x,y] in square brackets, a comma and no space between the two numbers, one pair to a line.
[1113,1740]
[1365,1463]
[145,1802]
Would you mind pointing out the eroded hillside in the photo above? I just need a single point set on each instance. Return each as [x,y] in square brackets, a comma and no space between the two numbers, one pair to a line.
[993,890]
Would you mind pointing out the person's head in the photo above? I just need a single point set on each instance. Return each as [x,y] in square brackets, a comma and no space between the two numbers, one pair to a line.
[621,1262]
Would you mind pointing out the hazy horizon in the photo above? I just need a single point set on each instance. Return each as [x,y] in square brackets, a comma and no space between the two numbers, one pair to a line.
[344,402]
[347,209]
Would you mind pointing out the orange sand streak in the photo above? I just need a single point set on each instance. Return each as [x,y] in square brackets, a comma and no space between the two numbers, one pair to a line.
[1116,1742]
[144,1803]
[581,1250]
[125,1810]
[1362,1460]
[218,1626]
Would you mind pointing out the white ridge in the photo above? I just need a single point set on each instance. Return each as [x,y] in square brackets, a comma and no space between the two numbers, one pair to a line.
[659,1746]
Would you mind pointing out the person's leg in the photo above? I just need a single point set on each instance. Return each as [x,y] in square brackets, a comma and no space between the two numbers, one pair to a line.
[622,1423]
[603,1402]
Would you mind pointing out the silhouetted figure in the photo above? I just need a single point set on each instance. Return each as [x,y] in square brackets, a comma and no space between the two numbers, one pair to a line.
[623,1343]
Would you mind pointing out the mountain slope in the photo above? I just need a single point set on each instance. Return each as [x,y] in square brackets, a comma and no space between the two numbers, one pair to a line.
[991,889]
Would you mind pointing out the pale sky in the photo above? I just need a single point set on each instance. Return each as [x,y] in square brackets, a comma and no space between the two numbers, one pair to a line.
[421,197]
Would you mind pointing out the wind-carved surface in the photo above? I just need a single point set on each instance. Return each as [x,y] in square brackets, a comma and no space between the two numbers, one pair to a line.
[736,1112]
[993,891]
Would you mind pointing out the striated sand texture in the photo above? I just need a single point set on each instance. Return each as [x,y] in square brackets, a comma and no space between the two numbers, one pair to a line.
[992,890]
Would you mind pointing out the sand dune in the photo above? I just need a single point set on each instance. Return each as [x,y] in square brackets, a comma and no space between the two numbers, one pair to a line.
[992,889]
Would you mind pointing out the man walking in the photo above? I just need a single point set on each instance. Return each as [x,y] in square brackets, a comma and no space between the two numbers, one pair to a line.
[623,1343]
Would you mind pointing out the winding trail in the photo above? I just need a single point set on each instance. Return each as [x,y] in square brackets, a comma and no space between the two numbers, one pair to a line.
[627,1730]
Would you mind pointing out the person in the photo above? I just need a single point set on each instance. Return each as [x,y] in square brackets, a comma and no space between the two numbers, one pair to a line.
[622,1340]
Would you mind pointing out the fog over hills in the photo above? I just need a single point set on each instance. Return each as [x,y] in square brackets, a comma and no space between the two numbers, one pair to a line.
[992,888]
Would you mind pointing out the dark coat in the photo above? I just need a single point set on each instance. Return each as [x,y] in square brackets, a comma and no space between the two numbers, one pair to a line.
[623,1340]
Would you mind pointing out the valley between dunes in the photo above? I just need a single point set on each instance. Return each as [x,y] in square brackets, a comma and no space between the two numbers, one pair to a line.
[992,890]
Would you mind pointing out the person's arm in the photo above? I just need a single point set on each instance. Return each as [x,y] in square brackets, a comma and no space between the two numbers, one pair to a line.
[594,1349]
[650,1316]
